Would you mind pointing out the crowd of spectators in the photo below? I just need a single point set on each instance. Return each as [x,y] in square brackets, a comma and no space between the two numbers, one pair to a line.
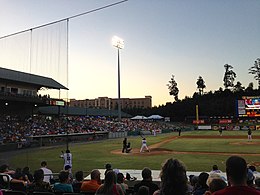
[173,180]
[13,129]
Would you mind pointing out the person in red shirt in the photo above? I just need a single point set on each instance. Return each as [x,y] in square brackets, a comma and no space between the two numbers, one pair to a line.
[236,170]
[93,184]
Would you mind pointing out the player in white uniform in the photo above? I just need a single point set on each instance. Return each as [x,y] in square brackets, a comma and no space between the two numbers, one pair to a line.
[67,157]
[144,145]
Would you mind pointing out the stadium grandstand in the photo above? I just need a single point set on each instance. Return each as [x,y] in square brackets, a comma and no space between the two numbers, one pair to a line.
[19,92]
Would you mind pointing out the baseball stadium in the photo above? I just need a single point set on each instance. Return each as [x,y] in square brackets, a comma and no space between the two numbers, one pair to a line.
[53,145]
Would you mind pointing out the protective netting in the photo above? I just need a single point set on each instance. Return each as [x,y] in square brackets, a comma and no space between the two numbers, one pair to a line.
[42,51]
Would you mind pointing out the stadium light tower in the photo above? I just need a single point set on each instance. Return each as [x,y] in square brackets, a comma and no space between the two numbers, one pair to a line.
[119,44]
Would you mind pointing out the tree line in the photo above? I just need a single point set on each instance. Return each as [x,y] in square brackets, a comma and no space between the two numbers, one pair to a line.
[219,103]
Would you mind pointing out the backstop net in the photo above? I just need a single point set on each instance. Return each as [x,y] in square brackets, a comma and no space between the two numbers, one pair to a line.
[42,51]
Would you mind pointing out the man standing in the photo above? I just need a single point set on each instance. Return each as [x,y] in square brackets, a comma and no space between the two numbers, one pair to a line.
[179,131]
[124,145]
[47,172]
[220,131]
[249,134]
[236,170]
[67,157]
[147,181]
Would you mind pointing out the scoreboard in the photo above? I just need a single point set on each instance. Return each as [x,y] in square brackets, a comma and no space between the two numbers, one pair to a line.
[248,107]
[54,102]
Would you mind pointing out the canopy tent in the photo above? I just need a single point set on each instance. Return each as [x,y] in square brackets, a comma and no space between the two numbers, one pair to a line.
[155,117]
[139,118]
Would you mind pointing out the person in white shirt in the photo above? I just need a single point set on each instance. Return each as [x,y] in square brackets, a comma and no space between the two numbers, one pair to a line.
[144,145]
[67,157]
[215,169]
[48,175]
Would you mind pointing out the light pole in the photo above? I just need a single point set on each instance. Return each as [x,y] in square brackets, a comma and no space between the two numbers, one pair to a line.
[119,44]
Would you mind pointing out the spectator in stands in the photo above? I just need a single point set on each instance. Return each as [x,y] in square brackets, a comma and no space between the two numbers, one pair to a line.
[252,168]
[215,169]
[236,170]
[110,187]
[108,167]
[76,184]
[26,172]
[20,176]
[173,178]
[213,176]
[48,175]
[202,184]
[143,190]
[216,185]
[147,181]
[250,178]
[63,185]
[193,182]
[257,184]
[68,169]
[93,184]
[120,181]
[4,170]
[38,184]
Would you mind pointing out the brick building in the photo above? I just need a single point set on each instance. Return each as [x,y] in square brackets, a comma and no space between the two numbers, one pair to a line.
[111,103]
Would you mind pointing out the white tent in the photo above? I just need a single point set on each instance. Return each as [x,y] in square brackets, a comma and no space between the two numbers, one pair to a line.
[155,117]
[139,118]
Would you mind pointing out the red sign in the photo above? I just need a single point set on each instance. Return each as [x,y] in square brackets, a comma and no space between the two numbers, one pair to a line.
[198,121]
[225,121]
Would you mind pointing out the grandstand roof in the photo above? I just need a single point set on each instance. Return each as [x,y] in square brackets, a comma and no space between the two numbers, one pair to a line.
[40,81]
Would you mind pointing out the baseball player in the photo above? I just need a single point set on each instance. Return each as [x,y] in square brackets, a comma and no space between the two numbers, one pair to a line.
[67,157]
[144,145]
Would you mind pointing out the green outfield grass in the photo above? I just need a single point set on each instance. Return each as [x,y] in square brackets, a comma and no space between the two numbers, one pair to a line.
[87,156]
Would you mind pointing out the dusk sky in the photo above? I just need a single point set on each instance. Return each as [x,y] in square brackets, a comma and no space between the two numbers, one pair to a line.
[185,38]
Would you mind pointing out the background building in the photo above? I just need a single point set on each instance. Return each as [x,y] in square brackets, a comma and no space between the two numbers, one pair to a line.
[111,103]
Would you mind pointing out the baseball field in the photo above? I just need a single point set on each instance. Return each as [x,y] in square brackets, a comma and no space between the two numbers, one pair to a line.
[198,150]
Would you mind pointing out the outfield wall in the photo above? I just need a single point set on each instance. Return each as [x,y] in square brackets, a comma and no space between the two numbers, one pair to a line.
[229,127]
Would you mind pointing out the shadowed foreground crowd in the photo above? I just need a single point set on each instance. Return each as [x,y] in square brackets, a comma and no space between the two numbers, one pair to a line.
[174,181]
